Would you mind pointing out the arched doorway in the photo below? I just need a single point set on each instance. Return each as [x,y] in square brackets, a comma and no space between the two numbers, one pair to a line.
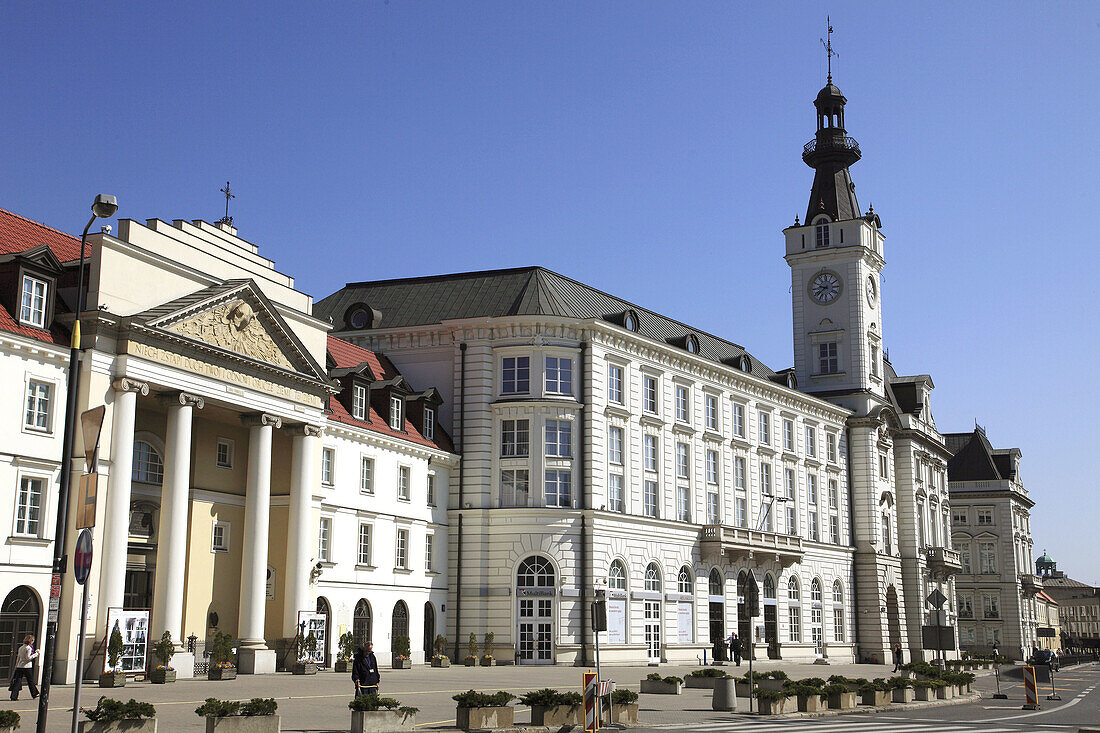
[19,616]
[652,612]
[535,590]
[399,625]
[429,631]
[717,615]
[771,617]
[322,635]
[893,616]
[744,621]
[361,623]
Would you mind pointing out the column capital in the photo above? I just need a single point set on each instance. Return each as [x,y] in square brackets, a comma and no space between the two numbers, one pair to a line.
[307,430]
[126,384]
[261,418]
[182,399]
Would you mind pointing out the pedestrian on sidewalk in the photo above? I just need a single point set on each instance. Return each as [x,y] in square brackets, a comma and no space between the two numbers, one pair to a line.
[897,656]
[24,669]
[364,671]
[735,648]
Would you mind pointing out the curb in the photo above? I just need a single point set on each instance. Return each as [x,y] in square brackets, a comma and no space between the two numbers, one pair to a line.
[866,709]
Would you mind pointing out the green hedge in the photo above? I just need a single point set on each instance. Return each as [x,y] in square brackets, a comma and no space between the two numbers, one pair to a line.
[108,710]
[474,699]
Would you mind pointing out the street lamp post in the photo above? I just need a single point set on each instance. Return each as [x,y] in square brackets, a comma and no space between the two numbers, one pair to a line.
[103,207]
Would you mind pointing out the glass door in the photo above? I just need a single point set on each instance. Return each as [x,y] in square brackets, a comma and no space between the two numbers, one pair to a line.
[535,635]
[653,630]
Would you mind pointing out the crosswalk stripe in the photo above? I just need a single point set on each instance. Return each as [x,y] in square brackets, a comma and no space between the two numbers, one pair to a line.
[870,726]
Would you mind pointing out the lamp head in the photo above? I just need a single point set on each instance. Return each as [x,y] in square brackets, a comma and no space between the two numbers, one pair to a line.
[104,206]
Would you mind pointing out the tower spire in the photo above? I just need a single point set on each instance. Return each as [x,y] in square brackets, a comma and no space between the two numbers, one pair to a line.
[829,52]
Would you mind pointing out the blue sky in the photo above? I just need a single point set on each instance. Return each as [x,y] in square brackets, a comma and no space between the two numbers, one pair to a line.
[649,149]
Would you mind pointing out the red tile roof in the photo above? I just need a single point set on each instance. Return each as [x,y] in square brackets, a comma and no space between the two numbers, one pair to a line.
[347,355]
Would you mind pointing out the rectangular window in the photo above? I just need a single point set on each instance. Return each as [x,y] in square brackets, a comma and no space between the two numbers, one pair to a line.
[712,507]
[559,488]
[559,438]
[615,445]
[615,501]
[682,401]
[964,560]
[431,489]
[827,362]
[765,478]
[794,622]
[788,483]
[37,416]
[403,549]
[739,473]
[32,307]
[650,442]
[887,535]
[219,537]
[834,529]
[883,471]
[874,360]
[811,488]
[958,516]
[792,521]
[328,466]
[991,606]
[765,428]
[364,545]
[649,394]
[650,501]
[788,435]
[742,512]
[514,487]
[359,402]
[324,540]
[712,466]
[429,553]
[683,504]
[814,527]
[514,438]
[28,508]
[559,375]
[366,475]
[830,447]
[838,623]
[403,481]
[766,511]
[397,416]
[223,456]
[683,460]
[985,516]
[987,558]
[834,494]
[966,606]
[739,421]
[429,423]
[811,441]
[615,384]
[711,410]
[515,375]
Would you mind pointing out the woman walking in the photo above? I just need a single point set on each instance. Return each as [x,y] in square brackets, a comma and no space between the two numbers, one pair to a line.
[897,656]
[24,669]
[364,671]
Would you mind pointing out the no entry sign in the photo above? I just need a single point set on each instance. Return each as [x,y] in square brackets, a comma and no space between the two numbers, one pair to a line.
[82,558]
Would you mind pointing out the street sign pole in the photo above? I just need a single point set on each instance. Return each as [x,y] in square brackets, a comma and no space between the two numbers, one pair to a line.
[82,565]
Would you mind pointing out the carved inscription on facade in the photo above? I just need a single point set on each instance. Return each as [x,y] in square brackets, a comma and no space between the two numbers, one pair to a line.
[234,326]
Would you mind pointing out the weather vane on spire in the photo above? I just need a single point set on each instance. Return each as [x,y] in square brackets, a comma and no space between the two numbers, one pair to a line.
[829,52]
[227,219]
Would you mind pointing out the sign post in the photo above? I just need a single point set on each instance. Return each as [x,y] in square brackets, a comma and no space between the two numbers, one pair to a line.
[1032,698]
[1053,689]
[82,565]
[752,602]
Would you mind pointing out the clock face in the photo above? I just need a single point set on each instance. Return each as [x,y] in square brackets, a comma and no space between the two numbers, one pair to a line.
[871,292]
[825,287]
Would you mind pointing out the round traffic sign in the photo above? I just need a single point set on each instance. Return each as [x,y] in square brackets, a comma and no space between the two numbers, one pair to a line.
[82,560]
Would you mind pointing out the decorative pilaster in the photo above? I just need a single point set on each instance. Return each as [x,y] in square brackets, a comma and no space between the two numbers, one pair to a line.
[299,527]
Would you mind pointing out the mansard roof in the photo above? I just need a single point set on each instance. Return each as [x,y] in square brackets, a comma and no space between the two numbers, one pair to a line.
[522,291]
[973,459]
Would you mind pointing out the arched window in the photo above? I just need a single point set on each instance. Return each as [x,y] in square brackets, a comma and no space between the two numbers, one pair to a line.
[616,576]
[715,584]
[535,572]
[361,623]
[794,610]
[683,581]
[652,578]
[792,590]
[838,592]
[691,343]
[815,590]
[148,467]
[769,587]
[400,626]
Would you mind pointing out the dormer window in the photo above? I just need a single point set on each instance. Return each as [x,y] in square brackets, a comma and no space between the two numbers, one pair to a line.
[429,423]
[691,344]
[359,402]
[630,321]
[744,364]
[821,233]
[32,308]
[397,417]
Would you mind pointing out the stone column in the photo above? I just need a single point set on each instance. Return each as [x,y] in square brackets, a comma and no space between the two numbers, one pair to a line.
[116,523]
[254,656]
[172,532]
[299,526]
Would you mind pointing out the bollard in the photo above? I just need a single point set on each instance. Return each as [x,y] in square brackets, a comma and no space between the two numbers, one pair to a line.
[1031,697]
[725,694]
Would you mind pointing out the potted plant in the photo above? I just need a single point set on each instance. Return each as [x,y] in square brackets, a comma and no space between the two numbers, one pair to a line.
[810,699]
[552,708]
[853,684]
[164,650]
[487,650]
[380,714]
[233,716]
[924,690]
[307,650]
[400,658]
[346,645]
[624,707]
[901,689]
[944,689]
[114,716]
[221,657]
[9,721]
[840,697]
[874,693]
[440,658]
[471,650]
[115,647]
[703,679]
[773,680]
[480,710]
[655,684]
[772,702]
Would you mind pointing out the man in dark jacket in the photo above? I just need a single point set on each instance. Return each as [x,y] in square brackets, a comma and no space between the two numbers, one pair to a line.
[364,671]
[735,649]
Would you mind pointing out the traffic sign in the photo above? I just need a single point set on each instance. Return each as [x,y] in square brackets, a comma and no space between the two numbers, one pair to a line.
[82,559]
[936,599]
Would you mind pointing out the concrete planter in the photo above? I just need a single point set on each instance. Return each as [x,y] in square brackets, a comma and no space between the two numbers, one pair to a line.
[901,694]
[767,683]
[945,693]
[471,661]
[924,694]
[221,673]
[162,676]
[477,718]
[341,666]
[144,725]
[556,715]
[773,707]
[743,690]
[874,697]
[811,703]
[380,721]
[112,679]
[625,714]
[243,724]
[301,668]
[441,662]
[842,700]
[907,674]
[488,661]
[660,687]
[724,697]
[401,662]
[700,683]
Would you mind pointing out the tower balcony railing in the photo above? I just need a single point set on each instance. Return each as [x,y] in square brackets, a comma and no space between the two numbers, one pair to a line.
[740,543]
[942,562]
[833,142]
[1031,583]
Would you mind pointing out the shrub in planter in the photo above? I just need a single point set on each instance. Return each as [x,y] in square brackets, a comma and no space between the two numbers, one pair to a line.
[306,648]
[115,647]
[471,650]
[487,659]
[440,658]
[704,678]
[772,702]
[221,657]
[840,697]
[624,707]
[944,691]
[924,690]
[810,698]
[378,714]
[109,716]
[346,647]
[9,721]
[655,684]
[481,710]
[552,708]
[874,693]
[163,650]
[901,689]
[400,657]
[226,716]
[773,680]
[853,685]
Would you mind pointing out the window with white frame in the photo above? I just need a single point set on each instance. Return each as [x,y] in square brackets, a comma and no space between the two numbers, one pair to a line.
[794,611]
[616,576]
[683,581]
[514,487]
[359,402]
[765,478]
[28,506]
[712,466]
[328,466]
[515,375]
[765,427]
[811,488]
[966,605]
[788,483]
[713,513]
[874,360]
[429,553]
[883,466]
[788,434]
[710,409]
[739,420]
[650,500]
[652,578]
[964,559]
[683,504]
[887,535]
[404,483]
[514,438]
[148,468]
[402,554]
[431,489]
[615,501]
[223,455]
[32,305]
[324,540]
[830,447]
[792,521]
[821,234]
[683,461]
[838,611]
[959,516]
[39,405]
[364,544]
[219,537]
[397,413]
[429,423]
[827,360]
[834,529]
[834,494]
[559,375]
[811,441]
[559,488]
[991,605]
[615,445]
[742,516]
[615,384]
[739,473]
[650,452]
[559,438]
[985,517]
[366,475]
[813,527]
[649,394]
[987,558]
[682,403]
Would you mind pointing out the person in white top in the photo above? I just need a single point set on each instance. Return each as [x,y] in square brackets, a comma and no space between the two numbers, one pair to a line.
[24,669]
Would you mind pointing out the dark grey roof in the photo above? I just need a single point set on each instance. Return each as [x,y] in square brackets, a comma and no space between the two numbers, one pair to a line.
[973,461]
[420,301]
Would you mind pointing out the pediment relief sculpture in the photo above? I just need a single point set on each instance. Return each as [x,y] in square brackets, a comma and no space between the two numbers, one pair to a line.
[235,326]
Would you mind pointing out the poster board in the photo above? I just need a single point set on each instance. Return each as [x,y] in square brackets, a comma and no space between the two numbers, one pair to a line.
[316,624]
[134,627]
[616,621]
[685,615]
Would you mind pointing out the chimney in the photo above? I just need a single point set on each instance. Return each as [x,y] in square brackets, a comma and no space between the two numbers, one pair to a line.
[226,226]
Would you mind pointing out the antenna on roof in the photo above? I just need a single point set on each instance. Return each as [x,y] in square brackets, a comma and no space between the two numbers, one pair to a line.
[829,52]
[227,219]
